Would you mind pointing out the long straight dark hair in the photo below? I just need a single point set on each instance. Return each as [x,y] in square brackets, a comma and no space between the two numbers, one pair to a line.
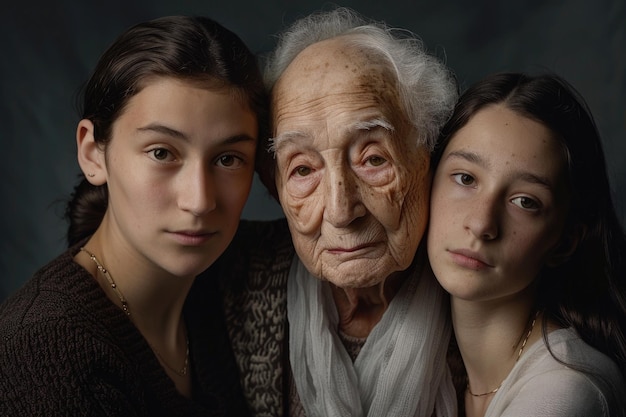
[587,291]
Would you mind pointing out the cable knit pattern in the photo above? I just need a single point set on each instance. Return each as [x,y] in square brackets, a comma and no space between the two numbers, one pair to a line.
[254,284]
[68,350]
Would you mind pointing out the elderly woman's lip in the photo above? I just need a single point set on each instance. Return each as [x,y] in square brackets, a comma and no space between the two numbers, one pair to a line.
[350,249]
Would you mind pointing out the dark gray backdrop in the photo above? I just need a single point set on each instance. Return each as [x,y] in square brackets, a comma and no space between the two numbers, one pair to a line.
[48,49]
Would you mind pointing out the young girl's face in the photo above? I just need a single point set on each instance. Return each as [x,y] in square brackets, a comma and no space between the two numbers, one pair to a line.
[498,205]
[179,169]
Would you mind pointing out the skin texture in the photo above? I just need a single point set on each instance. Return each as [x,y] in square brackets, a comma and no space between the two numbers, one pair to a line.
[351,179]
[498,208]
[179,168]
[356,210]
[499,203]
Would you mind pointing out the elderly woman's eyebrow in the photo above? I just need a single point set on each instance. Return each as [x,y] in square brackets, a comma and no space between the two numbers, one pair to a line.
[300,138]
[279,141]
[372,124]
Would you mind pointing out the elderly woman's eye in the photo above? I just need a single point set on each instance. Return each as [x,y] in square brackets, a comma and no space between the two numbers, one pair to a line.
[302,170]
[376,160]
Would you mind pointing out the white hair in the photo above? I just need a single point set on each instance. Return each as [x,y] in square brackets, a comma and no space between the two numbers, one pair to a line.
[427,88]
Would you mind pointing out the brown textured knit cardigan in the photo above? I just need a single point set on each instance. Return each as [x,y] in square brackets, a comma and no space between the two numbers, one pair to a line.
[253,276]
[65,349]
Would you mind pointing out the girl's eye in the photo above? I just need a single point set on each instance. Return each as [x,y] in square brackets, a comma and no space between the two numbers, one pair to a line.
[302,170]
[161,154]
[376,160]
[463,179]
[227,160]
[526,203]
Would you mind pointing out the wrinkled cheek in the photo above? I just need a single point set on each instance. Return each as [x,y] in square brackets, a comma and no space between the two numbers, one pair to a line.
[386,205]
[305,247]
[303,215]
[412,222]
[304,219]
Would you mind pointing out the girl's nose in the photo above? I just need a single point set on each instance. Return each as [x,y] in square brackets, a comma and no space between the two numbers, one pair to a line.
[482,218]
[197,194]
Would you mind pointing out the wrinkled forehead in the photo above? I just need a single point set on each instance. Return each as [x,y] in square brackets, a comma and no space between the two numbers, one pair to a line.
[335,66]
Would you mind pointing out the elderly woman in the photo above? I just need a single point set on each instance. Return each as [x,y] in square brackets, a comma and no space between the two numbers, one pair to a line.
[352,323]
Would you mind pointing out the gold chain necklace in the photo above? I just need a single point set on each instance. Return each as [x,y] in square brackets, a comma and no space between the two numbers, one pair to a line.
[182,371]
[519,354]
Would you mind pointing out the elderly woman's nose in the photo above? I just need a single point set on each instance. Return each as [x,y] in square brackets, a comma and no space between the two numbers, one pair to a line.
[343,197]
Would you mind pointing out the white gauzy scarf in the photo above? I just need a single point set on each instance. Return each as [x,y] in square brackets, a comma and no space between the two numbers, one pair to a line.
[401,369]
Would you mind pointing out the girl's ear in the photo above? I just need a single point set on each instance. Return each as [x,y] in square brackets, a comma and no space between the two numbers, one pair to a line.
[567,246]
[90,156]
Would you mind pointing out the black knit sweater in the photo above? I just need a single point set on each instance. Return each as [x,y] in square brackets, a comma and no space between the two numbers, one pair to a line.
[66,349]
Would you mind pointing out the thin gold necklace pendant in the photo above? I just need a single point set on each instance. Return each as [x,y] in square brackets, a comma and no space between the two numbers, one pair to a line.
[519,354]
[180,372]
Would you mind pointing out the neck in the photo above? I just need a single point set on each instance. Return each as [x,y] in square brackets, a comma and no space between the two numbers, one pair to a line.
[360,309]
[154,298]
[489,337]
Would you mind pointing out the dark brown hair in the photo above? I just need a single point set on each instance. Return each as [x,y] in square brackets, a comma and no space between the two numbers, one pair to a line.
[195,49]
[588,290]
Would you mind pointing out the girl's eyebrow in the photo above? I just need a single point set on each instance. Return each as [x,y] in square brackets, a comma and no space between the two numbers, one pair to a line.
[165,130]
[470,157]
[177,134]
[483,163]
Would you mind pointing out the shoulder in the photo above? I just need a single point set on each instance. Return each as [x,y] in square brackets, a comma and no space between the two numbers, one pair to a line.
[64,347]
[56,320]
[56,292]
[62,363]
[59,306]
[577,380]
[567,346]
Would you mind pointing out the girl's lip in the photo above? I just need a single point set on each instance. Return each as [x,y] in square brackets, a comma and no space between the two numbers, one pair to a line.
[470,259]
[191,238]
[192,232]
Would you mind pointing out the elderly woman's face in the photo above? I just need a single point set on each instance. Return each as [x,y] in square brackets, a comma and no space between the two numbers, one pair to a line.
[352,181]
